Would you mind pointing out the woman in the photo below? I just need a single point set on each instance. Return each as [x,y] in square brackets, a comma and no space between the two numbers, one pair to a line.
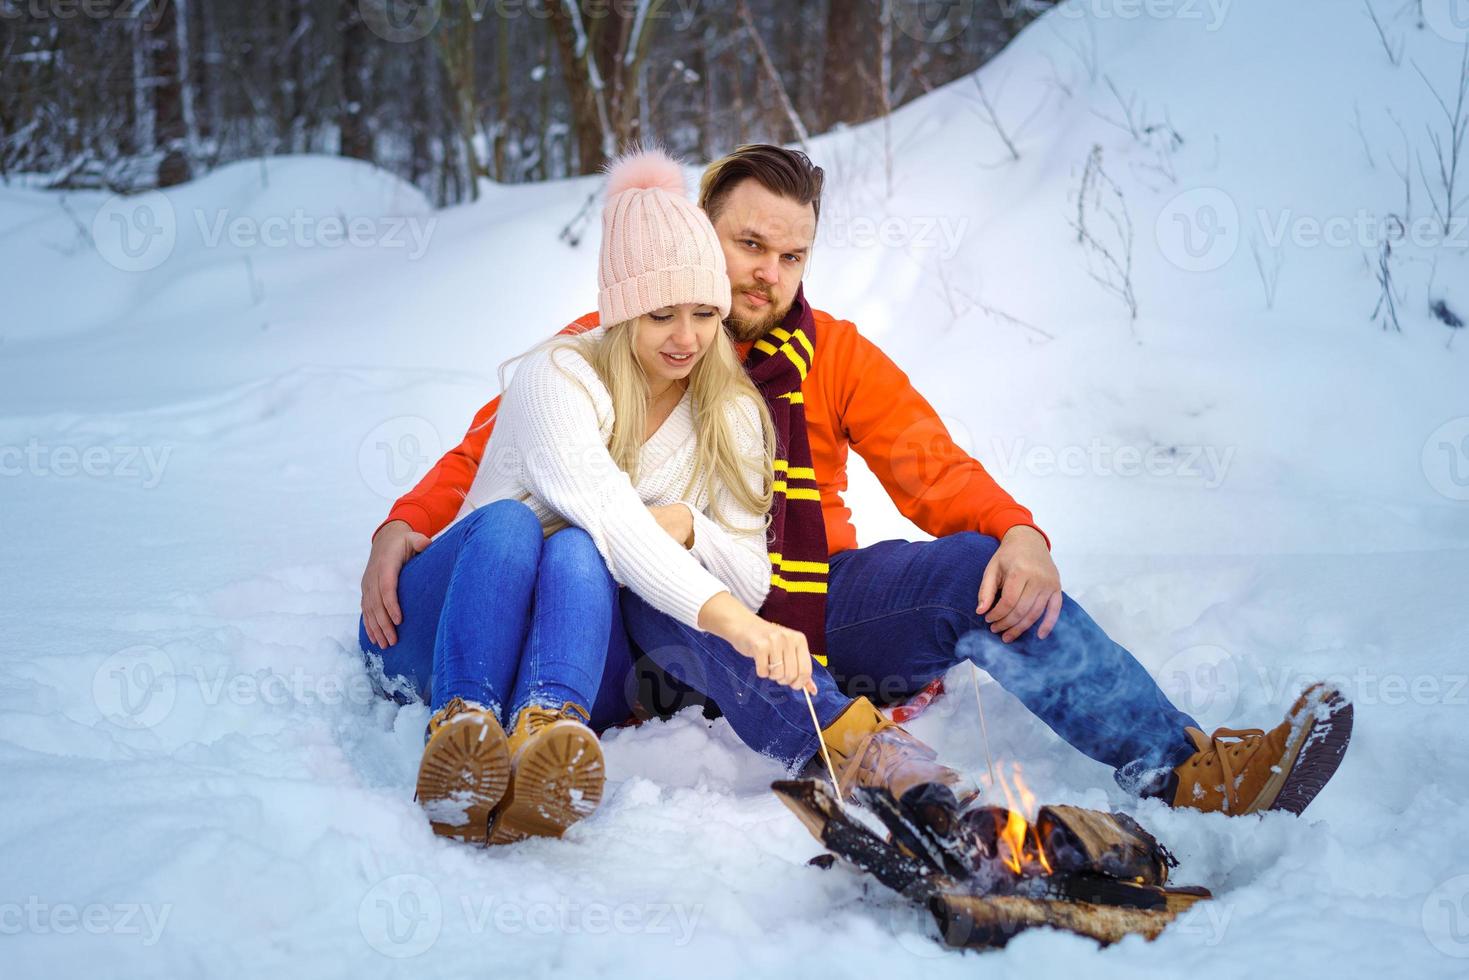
[638,453]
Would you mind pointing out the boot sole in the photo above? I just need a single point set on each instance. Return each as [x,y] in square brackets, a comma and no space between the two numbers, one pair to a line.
[1318,752]
[559,778]
[463,776]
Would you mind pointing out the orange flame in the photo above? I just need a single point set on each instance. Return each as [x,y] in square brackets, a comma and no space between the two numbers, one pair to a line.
[1019,844]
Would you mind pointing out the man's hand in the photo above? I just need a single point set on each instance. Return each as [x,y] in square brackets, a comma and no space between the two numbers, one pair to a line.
[392,546]
[1027,583]
[677,520]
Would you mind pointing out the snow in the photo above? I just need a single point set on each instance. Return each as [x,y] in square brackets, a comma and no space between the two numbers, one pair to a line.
[197,437]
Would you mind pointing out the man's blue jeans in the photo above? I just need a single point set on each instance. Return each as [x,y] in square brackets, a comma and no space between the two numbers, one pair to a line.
[900,613]
[495,613]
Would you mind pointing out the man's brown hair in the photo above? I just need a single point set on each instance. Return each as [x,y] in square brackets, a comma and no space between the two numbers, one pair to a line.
[789,173]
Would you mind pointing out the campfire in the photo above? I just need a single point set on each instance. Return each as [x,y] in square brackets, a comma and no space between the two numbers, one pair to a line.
[990,872]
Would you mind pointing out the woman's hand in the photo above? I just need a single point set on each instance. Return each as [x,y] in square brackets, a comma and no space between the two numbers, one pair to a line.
[392,546]
[780,654]
[677,520]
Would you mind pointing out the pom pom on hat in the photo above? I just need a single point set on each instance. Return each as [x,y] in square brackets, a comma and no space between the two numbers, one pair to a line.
[658,248]
[645,170]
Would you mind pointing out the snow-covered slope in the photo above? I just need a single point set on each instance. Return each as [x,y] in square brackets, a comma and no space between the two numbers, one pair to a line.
[202,420]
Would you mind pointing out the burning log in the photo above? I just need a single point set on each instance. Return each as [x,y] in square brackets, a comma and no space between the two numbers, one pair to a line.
[1111,844]
[986,874]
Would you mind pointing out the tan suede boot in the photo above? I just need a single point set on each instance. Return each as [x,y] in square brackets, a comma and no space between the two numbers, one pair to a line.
[869,750]
[1247,770]
[464,770]
[557,774]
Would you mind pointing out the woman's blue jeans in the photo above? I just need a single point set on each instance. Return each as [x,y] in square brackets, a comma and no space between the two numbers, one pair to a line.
[494,612]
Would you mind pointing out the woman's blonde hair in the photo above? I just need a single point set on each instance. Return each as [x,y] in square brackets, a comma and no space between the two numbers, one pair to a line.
[717,382]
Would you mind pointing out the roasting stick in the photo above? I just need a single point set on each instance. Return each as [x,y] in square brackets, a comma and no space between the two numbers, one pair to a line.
[824,753]
[983,728]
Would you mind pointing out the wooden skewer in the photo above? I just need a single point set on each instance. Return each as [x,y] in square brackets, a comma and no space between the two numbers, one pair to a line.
[983,728]
[836,788]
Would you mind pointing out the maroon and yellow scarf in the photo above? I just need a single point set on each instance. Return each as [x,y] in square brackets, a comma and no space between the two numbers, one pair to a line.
[778,363]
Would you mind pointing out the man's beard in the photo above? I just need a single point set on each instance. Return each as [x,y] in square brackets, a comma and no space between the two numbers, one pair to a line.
[743,329]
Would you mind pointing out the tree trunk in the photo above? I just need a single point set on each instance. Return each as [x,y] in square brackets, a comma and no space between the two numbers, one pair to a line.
[846,96]
[591,123]
[355,137]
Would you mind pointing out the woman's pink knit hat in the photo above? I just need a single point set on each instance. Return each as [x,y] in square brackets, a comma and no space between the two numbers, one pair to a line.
[658,247]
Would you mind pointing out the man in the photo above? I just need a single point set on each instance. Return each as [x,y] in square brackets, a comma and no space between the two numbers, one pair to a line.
[896,614]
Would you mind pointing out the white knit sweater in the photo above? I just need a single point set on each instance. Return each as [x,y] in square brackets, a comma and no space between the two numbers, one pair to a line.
[550,441]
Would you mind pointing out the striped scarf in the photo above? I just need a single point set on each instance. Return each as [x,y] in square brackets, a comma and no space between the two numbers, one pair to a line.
[778,363]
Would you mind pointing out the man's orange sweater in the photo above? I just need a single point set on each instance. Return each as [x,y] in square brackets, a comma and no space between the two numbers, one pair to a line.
[855,397]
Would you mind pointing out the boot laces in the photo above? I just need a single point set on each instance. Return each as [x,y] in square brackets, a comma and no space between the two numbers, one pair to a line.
[537,716]
[1221,748]
[454,706]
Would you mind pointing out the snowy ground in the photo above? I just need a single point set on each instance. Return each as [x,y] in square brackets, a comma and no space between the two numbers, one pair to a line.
[198,432]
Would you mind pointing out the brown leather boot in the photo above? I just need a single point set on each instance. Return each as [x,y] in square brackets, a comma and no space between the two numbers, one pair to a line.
[1247,770]
[464,771]
[557,774]
[869,750]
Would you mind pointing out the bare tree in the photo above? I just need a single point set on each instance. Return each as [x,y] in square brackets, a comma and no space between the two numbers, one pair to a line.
[1108,249]
[1448,148]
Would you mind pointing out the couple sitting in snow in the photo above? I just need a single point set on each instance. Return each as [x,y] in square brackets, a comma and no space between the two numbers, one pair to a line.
[662,481]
